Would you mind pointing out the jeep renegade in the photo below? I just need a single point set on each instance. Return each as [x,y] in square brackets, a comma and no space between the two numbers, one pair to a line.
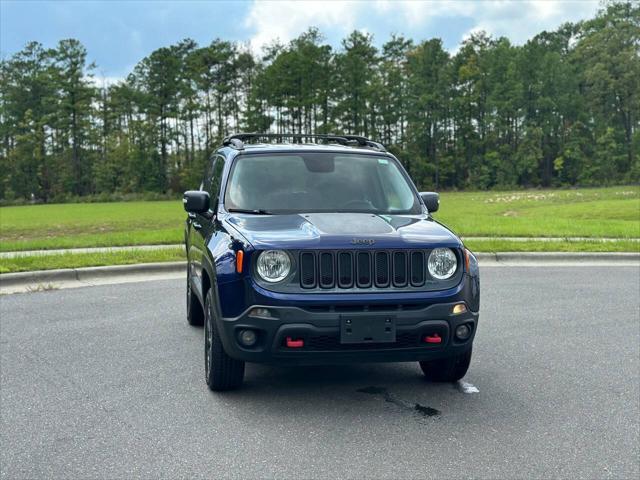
[320,251]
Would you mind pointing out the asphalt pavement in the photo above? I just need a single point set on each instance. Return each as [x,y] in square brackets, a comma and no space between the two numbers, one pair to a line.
[108,382]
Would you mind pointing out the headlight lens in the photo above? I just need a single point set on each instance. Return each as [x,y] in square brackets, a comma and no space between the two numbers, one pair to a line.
[273,265]
[442,263]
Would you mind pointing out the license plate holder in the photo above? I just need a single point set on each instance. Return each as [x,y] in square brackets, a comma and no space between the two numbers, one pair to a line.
[367,329]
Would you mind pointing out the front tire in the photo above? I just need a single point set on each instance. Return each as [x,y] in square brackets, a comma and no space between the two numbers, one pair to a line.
[221,371]
[449,369]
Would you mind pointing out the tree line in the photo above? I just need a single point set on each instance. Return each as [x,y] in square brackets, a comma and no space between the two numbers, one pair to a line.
[561,110]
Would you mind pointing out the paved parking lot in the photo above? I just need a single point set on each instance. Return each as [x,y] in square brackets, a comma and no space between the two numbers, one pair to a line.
[106,382]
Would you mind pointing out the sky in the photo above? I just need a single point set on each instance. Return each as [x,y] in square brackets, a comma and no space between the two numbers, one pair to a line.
[119,33]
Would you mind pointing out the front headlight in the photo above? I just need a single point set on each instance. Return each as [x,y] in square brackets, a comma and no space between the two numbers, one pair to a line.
[273,265]
[442,263]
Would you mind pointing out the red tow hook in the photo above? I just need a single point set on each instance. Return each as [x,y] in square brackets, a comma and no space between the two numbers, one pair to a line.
[297,343]
[435,338]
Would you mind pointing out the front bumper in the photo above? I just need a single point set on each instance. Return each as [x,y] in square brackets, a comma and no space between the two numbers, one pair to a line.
[320,330]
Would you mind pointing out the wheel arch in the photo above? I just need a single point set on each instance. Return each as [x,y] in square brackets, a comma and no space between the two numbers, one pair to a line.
[206,282]
[210,282]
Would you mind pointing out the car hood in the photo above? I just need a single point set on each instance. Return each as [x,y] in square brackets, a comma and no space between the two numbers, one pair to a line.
[342,230]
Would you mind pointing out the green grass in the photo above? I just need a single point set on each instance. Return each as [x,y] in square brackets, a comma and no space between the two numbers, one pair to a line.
[43,227]
[77,260]
[602,212]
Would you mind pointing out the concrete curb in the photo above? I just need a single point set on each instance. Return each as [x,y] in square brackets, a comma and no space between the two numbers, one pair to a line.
[88,275]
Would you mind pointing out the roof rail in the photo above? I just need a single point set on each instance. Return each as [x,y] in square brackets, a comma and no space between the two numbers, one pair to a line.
[365,142]
[237,140]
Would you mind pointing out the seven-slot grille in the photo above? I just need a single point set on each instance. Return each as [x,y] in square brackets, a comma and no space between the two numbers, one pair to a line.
[362,269]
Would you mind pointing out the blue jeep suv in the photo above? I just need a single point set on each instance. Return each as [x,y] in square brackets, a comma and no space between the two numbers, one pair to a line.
[321,250]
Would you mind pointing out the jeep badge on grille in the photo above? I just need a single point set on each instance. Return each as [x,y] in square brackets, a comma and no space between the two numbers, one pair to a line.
[362,241]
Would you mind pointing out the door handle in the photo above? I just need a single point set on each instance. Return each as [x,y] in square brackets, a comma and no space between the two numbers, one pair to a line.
[196,225]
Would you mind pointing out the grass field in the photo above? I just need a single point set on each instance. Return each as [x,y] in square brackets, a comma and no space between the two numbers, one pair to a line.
[593,213]
[90,225]
[78,260]
[602,212]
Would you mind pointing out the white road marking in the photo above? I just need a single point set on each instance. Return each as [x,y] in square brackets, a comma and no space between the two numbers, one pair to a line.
[465,387]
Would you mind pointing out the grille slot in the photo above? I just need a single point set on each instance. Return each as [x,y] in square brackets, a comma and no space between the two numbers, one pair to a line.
[326,270]
[417,269]
[399,269]
[382,269]
[345,270]
[364,269]
[308,270]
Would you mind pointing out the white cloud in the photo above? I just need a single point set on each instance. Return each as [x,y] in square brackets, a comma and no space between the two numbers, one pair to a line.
[521,20]
[518,20]
[285,20]
[418,13]
[101,81]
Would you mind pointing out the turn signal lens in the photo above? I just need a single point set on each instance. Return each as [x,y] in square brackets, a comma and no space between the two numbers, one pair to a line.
[239,260]
[459,308]
[260,312]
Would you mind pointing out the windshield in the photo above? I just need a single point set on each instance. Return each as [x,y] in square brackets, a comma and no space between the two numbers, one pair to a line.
[319,182]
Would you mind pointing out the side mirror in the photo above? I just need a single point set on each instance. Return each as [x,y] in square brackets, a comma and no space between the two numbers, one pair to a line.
[196,201]
[431,200]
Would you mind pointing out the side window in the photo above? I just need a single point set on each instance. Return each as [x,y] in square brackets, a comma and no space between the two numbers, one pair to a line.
[213,186]
[208,174]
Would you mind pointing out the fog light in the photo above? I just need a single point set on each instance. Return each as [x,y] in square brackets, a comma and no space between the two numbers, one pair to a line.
[260,312]
[459,308]
[248,337]
[463,332]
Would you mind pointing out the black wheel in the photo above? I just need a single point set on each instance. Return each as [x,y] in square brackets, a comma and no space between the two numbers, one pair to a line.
[447,369]
[195,315]
[221,371]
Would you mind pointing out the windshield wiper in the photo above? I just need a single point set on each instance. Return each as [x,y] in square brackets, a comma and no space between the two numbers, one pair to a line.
[246,210]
